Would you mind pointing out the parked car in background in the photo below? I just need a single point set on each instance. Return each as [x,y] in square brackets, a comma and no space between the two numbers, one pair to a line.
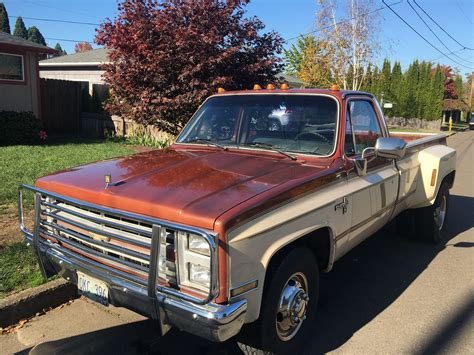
[228,230]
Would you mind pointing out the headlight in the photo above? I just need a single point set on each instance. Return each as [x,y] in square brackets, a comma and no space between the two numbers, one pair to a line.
[200,275]
[198,244]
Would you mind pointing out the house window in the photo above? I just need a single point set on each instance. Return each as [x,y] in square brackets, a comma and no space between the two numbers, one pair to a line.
[11,67]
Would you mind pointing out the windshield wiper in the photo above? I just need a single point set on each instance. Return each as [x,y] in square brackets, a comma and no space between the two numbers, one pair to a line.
[206,141]
[270,147]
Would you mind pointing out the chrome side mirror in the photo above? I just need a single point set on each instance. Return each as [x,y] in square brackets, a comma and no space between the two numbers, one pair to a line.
[391,148]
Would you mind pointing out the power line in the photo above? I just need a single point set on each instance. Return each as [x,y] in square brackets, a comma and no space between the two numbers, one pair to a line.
[343,21]
[54,20]
[66,40]
[462,11]
[420,35]
[442,29]
[434,34]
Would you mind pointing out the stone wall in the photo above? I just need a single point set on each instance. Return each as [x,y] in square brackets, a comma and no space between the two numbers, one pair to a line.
[415,123]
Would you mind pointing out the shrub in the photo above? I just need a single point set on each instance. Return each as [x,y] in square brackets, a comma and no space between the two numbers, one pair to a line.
[19,128]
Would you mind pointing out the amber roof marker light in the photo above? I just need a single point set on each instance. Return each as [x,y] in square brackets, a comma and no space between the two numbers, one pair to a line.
[284,86]
[220,90]
[257,87]
[270,87]
[334,87]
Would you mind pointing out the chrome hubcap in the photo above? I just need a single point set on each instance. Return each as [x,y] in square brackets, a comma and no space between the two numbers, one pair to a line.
[440,214]
[292,306]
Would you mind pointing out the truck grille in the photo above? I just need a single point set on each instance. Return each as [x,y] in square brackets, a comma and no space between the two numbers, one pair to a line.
[117,242]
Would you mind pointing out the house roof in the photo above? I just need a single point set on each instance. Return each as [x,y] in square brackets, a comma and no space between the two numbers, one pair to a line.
[93,57]
[9,41]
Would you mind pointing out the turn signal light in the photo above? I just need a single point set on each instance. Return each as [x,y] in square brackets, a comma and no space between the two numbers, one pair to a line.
[257,87]
[284,86]
[270,87]
[220,90]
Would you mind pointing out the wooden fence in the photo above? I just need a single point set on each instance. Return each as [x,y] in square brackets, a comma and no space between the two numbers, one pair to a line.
[61,105]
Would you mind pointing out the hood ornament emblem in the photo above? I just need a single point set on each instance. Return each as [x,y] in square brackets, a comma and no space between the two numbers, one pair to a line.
[108,180]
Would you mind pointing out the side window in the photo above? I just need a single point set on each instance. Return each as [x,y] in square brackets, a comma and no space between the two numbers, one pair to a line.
[349,138]
[364,124]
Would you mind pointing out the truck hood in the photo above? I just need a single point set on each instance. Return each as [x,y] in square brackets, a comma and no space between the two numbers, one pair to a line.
[192,186]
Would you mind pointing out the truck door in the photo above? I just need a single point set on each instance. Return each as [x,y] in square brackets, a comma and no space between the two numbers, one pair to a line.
[373,196]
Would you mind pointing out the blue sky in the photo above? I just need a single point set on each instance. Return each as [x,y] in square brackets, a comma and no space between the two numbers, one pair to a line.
[288,17]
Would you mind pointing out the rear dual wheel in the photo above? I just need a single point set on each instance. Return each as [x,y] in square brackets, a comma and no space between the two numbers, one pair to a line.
[427,223]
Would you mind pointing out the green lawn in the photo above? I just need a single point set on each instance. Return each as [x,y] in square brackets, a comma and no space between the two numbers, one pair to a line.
[23,164]
[18,269]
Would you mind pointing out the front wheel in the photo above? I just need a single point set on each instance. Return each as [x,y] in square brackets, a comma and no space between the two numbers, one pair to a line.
[288,306]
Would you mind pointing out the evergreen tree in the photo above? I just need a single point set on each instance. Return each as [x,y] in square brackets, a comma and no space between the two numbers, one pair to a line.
[385,78]
[423,90]
[34,35]
[366,84]
[458,86]
[20,29]
[375,84]
[409,95]
[436,94]
[60,51]
[4,21]
[294,56]
[396,88]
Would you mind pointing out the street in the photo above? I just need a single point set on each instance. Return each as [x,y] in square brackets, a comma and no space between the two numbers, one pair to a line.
[389,295]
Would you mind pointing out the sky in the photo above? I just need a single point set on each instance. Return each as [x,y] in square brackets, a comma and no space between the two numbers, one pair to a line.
[290,18]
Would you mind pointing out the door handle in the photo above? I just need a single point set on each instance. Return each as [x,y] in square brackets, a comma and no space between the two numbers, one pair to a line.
[342,205]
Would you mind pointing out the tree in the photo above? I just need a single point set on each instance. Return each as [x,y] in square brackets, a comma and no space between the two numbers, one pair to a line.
[351,39]
[4,21]
[34,35]
[294,56]
[449,87]
[60,51]
[166,57]
[313,66]
[396,88]
[82,47]
[20,29]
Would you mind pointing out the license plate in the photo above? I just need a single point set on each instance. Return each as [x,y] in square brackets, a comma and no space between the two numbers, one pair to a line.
[92,288]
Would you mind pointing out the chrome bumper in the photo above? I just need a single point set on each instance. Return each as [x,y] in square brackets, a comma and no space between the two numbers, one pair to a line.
[211,321]
[203,318]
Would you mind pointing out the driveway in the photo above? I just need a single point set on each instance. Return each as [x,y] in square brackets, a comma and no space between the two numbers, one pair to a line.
[389,295]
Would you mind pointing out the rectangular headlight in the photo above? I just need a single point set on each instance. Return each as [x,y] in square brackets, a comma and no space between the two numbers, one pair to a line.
[198,244]
[200,275]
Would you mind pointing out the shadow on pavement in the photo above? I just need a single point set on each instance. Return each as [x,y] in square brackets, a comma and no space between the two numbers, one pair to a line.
[362,284]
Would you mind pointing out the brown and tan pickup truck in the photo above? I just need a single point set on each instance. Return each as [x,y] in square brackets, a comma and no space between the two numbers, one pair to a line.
[227,230]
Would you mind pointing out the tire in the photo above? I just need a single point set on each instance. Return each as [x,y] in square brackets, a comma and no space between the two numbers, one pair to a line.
[430,222]
[298,276]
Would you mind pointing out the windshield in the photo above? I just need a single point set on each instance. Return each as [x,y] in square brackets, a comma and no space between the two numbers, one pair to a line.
[290,123]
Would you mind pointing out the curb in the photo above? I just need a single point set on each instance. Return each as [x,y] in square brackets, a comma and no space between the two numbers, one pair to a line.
[28,303]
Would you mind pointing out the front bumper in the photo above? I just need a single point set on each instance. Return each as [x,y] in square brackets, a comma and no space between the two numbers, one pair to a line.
[204,318]
[211,321]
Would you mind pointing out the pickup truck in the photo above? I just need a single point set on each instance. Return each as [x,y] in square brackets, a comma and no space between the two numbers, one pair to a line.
[227,231]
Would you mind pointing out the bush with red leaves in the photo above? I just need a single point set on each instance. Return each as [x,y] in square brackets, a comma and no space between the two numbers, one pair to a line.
[166,57]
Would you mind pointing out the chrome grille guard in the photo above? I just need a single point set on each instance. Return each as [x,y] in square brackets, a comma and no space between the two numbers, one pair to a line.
[98,236]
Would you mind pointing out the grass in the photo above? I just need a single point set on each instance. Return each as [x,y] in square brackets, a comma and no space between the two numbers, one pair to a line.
[18,269]
[24,164]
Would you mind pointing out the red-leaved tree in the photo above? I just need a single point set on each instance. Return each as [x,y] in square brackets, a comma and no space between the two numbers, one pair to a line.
[82,47]
[167,57]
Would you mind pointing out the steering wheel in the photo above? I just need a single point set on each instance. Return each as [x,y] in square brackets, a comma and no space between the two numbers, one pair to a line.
[314,134]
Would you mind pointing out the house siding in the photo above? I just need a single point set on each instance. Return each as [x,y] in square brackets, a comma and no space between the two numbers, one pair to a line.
[22,96]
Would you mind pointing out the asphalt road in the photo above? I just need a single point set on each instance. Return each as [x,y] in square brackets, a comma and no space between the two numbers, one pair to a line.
[389,295]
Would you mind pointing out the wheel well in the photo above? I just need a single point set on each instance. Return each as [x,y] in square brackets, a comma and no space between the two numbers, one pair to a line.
[450,178]
[318,241]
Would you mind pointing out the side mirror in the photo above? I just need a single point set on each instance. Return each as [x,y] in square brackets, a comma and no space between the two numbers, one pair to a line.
[391,148]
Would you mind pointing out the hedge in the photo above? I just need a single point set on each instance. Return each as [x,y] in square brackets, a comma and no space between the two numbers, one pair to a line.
[19,128]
